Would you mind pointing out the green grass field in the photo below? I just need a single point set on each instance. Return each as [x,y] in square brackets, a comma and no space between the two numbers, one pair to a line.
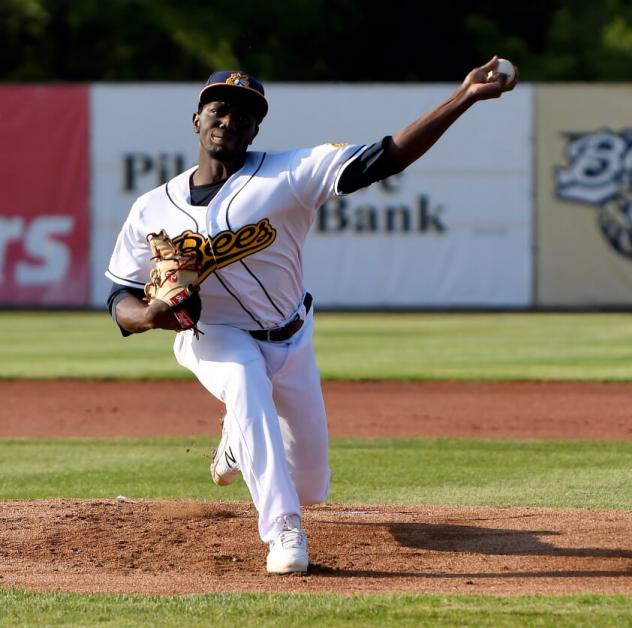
[22,608]
[573,474]
[414,470]
[349,346]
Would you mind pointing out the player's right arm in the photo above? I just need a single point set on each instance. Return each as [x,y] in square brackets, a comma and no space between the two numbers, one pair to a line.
[129,269]
[133,315]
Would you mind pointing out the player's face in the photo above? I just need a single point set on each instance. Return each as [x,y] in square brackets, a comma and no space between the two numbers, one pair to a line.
[226,129]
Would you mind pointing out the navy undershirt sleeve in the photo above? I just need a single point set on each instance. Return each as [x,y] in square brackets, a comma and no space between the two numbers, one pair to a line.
[373,164]
[117,293]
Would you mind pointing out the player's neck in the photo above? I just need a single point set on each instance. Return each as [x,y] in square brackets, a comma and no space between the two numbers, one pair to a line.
[211,170]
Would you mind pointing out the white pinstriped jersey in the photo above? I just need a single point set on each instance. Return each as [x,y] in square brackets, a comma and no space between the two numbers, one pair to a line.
[249,238]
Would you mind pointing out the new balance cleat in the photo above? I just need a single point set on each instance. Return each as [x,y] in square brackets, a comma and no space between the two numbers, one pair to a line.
[224,468]
[288,551]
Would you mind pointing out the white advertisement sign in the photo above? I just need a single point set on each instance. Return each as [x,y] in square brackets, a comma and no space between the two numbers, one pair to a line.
[141,137]
[453,230]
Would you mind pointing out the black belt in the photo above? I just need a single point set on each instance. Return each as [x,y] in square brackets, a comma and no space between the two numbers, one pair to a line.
[281,334]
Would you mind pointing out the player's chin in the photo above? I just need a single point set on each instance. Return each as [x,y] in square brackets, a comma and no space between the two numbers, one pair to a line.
[226,149]
[222,152]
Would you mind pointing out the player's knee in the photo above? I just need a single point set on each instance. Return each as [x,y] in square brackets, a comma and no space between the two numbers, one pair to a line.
[312,487]
[312,500]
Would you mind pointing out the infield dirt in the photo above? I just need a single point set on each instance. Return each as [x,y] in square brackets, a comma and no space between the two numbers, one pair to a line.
[169,547]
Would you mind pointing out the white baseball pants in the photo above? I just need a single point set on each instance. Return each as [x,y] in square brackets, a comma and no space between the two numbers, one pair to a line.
[275,414]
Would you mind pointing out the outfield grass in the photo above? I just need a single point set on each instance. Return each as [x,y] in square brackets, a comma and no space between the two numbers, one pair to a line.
[21,608]
[348,346]
[574,474]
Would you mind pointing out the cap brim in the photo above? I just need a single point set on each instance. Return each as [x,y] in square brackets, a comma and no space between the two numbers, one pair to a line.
[219,91]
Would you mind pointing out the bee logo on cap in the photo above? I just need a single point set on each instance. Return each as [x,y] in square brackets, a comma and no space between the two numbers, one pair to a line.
[238,79]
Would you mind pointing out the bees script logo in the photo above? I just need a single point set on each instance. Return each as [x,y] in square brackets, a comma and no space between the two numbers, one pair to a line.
[226,247]
[599,173]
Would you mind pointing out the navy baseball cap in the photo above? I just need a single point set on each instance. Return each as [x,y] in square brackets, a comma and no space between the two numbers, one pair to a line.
[231,83]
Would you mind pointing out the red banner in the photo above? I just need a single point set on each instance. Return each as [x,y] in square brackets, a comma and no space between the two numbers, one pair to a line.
[44,207]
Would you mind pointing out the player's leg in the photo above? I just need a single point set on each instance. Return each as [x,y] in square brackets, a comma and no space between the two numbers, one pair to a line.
[229,364]
[257,443]
[299,402]
[303,424]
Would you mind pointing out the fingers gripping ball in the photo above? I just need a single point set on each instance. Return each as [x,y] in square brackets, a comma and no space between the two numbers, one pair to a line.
[174,279]
[504,69]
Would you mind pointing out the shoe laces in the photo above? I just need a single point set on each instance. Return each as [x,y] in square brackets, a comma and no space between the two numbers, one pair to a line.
[292,539]
[292,536]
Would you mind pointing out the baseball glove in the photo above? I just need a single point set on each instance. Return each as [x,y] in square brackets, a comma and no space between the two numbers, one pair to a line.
[174,279]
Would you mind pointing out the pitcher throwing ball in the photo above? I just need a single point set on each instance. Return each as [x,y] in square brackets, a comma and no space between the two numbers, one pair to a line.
[235,225]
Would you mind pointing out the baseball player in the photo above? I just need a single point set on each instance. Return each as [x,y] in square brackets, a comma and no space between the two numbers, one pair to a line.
[246,214]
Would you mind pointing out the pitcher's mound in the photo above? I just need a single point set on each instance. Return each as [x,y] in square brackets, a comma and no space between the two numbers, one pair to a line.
[177,547]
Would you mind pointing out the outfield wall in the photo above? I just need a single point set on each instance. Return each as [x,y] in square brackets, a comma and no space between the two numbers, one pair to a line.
[45,209]
[490,217]
[584,195]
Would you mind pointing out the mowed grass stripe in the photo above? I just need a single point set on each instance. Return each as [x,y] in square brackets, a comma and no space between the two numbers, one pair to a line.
[572,474]
[22,608]
[501,346]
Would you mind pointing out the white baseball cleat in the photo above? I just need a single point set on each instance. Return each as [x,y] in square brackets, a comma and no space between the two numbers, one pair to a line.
[224,468]
[288,551]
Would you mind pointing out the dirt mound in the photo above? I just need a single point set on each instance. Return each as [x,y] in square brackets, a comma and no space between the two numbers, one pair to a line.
[176,547]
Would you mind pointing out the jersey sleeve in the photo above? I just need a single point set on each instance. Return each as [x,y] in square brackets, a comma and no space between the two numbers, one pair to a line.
[314,172]
[370,165]
[130,263]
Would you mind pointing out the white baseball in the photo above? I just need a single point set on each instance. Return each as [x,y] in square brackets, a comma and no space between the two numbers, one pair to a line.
[504,67]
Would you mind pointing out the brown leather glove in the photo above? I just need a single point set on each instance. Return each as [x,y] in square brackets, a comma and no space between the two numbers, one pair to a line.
[174,279]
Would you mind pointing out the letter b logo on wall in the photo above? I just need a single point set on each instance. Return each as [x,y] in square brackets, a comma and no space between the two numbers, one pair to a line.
[598,174]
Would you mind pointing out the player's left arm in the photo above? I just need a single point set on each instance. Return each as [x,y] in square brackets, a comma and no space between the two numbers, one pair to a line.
[394,153]
[413,141]
[319,172]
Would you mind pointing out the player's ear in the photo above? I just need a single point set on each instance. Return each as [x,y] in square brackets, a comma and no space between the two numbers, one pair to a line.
[256,131]
[196,122]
